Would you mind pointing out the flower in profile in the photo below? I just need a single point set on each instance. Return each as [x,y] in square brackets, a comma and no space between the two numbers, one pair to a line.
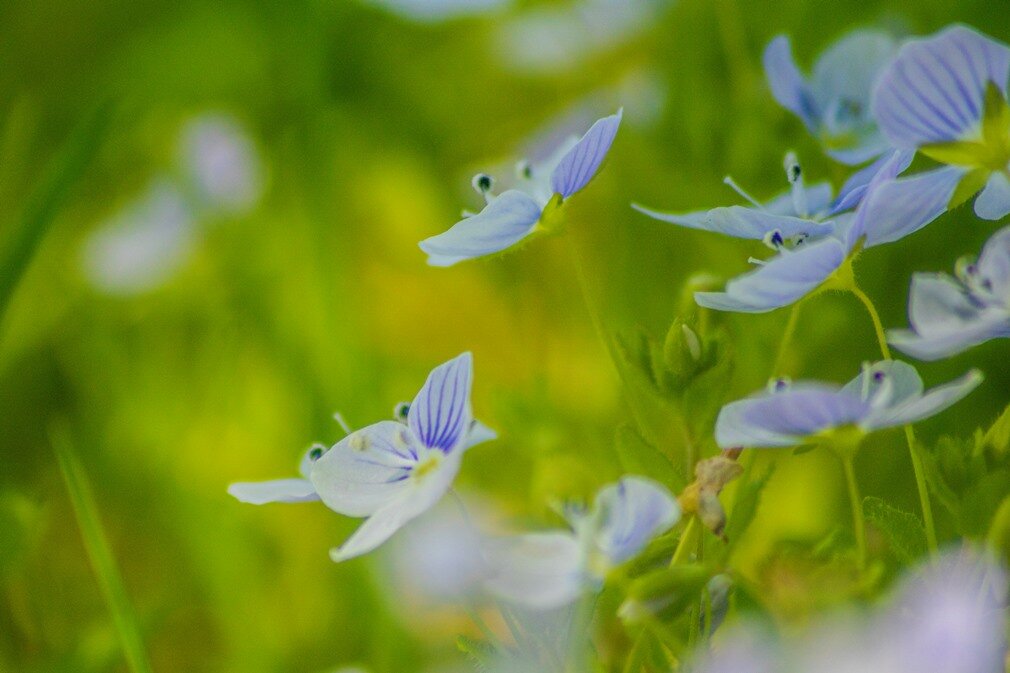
[812,253]
[511,216]
[885,394]
[551,569]
[391,471]
[949,315]
[834,101]
[946,96]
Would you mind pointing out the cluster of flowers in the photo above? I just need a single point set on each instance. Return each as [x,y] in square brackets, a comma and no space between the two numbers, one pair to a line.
[870,100]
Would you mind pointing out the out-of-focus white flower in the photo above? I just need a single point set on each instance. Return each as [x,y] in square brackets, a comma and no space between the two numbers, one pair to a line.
[948,616]
[557,38]
[143,245]
[440,10]
[221,163]
[440,556]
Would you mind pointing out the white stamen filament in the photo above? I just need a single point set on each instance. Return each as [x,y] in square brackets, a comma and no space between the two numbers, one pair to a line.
[794,174]
[342,422]
[740,190]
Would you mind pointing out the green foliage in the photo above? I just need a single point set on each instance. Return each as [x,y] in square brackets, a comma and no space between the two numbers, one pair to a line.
[904,531]
[637,456]
[970,480]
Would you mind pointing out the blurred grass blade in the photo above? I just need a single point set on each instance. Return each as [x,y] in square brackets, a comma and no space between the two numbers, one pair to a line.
[97,546]
[45,202]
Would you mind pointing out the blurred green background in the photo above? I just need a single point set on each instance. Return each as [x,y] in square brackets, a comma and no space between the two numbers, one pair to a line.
[215,345]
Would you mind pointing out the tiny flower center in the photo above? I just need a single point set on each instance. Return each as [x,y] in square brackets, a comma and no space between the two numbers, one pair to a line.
[426,466]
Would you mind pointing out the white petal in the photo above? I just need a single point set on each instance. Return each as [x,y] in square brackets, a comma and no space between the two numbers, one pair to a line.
[367,469]
[419,494]
[994,201]
[933,402]
[540,570]
[505,221]
[278,490]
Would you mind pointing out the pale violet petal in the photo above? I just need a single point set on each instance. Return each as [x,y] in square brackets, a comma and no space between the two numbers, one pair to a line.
[541,571]
[937,302]
[994,201]
[855,187]
[478,434]
[788,417]
[933,91]
[578,167]
[505,221]
[418,494]
[902,381]
[697,219]
[842,84]
[948,616]
[903,206]
[818,199]
[743,222]
[440,415]
[278,490]
[930,346]
[367,469]
[994,264]
[929,404]
[787,83]
[633,511]
[781,281]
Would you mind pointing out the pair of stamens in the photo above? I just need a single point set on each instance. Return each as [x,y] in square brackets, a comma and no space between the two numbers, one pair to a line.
[967,271]
[794,175]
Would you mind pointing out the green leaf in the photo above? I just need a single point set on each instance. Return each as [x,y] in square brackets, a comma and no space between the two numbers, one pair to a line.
[904,532]
[638,456]
[999,532]
[43,205]
[970,185]
[97,545]
[664,593]
[479,653]
[998,436]
[745,506]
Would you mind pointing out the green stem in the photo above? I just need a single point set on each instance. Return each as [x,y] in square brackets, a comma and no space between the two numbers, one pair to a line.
[917,468]
[686,543]
[856,501]
[787,337]
[579,636]
[97,545]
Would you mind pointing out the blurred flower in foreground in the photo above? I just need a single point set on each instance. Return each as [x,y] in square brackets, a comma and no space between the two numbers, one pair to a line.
[886,394]
[946,96]
[440,556]
[948,616]
[147,242]
[142,246]
[221,164]
[514,214]
[834,102]
[557,38]
[391,471]
[439,10]
[949,315]
[549,570]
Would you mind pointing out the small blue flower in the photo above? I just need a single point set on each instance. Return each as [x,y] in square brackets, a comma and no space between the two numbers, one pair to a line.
[805,264]
[834,102]
[514,214]
[886,394]
[946,96]
[391,471]
[949,315]
[548,570]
